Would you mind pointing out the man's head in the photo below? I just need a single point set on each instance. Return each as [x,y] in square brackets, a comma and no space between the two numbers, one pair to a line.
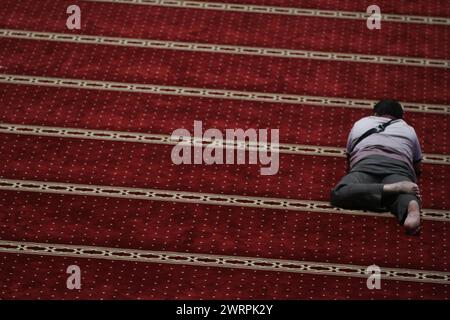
[389,108]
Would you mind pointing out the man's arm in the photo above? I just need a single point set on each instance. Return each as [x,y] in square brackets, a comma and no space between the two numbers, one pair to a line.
[349,145]
[417,156]
[418,168]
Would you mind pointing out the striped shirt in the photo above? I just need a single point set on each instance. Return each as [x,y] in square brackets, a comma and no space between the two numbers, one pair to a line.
[399,141]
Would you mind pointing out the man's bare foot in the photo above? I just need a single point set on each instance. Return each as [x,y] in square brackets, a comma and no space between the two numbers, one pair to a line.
[402,187]
[412,222]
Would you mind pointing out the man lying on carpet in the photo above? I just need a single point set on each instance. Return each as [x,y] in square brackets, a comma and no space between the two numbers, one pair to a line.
[383,160]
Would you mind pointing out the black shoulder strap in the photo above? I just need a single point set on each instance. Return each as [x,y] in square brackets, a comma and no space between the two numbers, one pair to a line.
[377,129]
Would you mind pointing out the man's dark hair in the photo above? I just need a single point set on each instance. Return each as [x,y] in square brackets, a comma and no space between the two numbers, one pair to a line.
[389,107]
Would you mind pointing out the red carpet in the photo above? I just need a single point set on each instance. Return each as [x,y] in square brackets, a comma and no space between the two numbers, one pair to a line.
[140,227]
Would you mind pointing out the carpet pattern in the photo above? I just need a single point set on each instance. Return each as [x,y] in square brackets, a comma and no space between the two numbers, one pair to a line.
[86,176]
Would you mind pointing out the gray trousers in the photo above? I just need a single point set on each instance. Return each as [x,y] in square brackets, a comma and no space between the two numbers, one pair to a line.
[362,187]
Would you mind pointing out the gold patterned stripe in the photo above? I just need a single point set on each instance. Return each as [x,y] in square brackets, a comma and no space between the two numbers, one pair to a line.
[220,48]
[195,197]
[302,12]
[213,93]
[222,261]
[196,141]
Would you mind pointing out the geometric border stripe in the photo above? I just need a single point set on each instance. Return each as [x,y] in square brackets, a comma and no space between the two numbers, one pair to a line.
[149,138]
[222,261]
[283,10]
[195,197]
[213,93]
[227,49]
[124,136]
